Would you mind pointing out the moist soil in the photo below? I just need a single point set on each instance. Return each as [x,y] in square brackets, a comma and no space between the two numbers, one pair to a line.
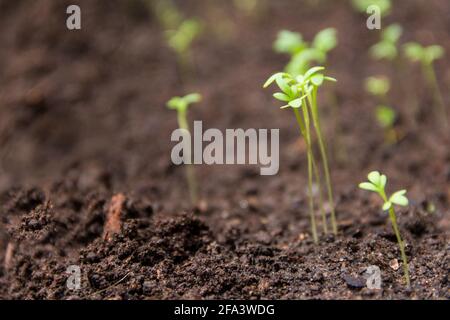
[86,177]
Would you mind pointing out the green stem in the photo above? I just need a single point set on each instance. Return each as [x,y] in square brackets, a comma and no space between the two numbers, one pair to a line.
[401,243]
[434,85]
[190,172]
[309,156]
[316,122]
[316,172]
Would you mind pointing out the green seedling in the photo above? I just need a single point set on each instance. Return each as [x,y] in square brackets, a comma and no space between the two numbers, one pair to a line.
[378,86]
[385,115]
[387,47]
[181,39]
[362,5]
[377,183]
[300,94]
[426,56]
[181,105]
[302,54]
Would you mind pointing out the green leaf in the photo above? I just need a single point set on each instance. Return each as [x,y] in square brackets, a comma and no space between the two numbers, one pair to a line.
[325,40]
[374,177]
[174,103]
[378,86]
[368,186]
[414,51]
[272,79]
[317,79]
[289,42]
[392,33]
[384,50]
[387,205]
[284,86]
[312,71]
[385,116]
[297,103]
[433,52]
[330,79]
[192,98]
[281,96]
[399,198]
[383,180]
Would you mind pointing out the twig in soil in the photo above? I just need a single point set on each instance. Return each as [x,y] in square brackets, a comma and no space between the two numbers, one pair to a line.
[113,222]
[111,286]
[8,256]
[377,183]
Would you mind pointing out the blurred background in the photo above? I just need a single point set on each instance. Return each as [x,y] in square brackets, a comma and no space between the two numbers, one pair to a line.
[89,105]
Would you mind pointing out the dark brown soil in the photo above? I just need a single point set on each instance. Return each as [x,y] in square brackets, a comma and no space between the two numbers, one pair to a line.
[83,118]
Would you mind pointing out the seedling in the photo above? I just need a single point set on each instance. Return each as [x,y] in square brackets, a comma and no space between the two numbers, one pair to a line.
[378,86]
[387,47]
[302,53]
[385,115]
[181,104]
[426,56]
[301,93]
[181,39]
[362,5]
[377,183]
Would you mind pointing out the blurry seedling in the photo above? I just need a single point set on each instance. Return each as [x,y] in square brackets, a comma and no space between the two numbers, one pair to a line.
[301,93]
[377,183]
[362,5]
[385,115]
[426,56]
[181,39]
[181,104]
[387,47]
[166,12]
[250,7]
[303,54]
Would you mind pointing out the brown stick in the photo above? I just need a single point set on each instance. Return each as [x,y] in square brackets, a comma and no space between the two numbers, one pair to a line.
[113,223]
[8,255]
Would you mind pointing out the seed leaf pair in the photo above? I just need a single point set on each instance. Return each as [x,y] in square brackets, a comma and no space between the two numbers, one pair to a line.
[182,103]
[377,183]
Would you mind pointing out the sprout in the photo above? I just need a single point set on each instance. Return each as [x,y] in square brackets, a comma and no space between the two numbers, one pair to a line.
[387,47]
[289,42]
[385,115]
[426,56]
[300,92]
[378,86]
[377,183]
[181,39]
[181,104]
[302,53]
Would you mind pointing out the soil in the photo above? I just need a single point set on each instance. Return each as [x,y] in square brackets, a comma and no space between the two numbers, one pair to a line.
[86,177]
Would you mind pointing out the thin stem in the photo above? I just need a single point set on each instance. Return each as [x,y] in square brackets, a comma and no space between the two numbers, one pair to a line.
[401,243]
[316,172]
[438,99]
[190,172]
[309,156]
[316,122]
